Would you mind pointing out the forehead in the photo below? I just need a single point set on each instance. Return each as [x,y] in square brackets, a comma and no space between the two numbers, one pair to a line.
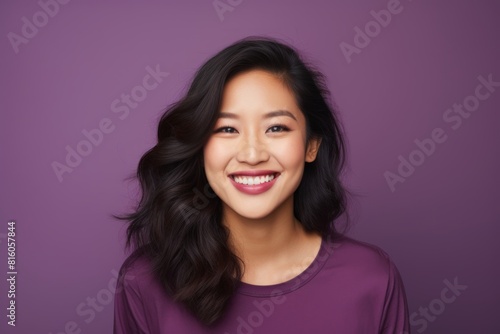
[259,91]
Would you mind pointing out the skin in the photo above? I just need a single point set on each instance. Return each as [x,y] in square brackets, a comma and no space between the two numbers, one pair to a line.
[263,230]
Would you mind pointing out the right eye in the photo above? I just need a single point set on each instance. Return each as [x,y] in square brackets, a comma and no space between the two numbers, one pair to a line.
[225,129]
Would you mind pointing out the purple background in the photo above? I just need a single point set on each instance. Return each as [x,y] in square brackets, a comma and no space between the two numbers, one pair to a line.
[440,224]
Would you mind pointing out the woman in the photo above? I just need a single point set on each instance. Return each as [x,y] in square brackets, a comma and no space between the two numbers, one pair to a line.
[235,230]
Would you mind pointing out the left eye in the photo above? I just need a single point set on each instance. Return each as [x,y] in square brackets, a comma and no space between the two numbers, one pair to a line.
[278,128]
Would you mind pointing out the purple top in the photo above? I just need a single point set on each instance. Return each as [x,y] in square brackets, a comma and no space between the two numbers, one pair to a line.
[350,287]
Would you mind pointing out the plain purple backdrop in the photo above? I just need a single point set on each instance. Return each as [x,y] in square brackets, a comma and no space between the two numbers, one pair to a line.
[440,224]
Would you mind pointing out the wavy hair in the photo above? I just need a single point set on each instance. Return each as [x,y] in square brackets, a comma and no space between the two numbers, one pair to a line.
[177,221]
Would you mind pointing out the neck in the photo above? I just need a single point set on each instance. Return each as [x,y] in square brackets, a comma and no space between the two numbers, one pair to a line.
[261,235]
[268,242]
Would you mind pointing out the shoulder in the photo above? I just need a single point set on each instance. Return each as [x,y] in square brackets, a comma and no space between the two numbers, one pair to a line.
[364,274]
[136,270]
[366,269]
[360,258]
[359,249]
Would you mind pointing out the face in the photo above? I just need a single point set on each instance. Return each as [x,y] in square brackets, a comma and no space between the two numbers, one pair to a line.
[254,159]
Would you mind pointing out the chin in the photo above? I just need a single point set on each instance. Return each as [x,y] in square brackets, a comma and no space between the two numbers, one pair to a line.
[256,210]
[253,214]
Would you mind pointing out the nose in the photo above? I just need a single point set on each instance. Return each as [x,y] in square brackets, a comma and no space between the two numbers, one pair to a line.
[252,150]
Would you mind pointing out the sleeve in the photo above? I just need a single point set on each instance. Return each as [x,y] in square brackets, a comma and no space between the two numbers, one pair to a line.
[395,317]
[129,315]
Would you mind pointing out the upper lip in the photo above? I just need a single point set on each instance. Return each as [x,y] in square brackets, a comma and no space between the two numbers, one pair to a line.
[253,173]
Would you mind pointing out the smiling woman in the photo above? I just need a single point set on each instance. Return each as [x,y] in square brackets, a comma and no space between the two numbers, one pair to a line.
[263,250]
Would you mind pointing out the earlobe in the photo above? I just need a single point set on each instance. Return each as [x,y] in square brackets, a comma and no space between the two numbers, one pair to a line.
[312,149]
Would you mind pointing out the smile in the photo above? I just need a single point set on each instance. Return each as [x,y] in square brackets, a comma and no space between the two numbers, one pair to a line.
[254,182]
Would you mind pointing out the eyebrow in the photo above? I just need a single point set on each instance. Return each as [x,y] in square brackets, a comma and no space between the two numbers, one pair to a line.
[270,114]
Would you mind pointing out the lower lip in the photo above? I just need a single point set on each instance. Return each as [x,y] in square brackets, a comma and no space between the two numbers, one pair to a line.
[254,189]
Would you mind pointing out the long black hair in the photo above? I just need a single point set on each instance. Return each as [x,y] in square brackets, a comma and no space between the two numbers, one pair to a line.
[177,222]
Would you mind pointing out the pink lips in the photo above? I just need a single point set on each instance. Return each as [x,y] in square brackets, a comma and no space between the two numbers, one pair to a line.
[254,189]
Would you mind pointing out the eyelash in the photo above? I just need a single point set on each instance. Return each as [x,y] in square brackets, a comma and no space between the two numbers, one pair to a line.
[283,127]
[222,128]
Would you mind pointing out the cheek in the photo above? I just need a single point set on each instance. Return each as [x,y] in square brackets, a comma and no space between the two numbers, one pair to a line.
[208,157]
[291,153]
[214,156]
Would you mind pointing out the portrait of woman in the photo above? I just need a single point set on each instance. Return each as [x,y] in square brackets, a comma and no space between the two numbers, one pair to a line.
[237,228]
[250,167]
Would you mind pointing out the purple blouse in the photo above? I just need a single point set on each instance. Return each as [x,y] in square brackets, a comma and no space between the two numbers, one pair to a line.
[350,287]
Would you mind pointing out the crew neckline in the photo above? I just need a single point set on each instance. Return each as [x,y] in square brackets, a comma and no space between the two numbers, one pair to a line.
[294,283]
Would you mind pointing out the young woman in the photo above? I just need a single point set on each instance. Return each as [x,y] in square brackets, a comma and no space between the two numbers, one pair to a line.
[235,231]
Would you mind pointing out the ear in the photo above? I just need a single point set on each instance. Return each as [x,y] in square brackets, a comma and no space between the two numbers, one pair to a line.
[312,149]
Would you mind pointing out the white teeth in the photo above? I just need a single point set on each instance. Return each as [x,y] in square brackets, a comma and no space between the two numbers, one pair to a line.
[249,180]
